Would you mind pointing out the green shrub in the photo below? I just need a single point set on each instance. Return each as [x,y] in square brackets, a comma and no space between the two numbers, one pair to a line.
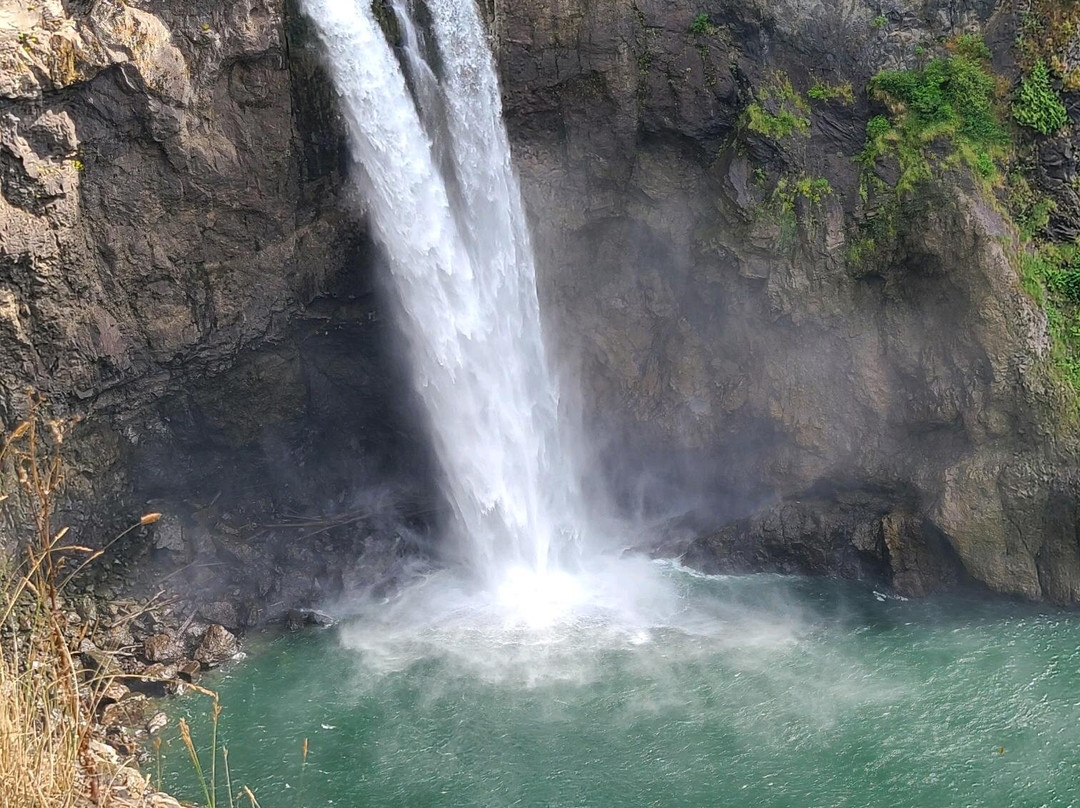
[1035,219]
[822,91]
[777,126]
[1050,274]
[951,98]
[984,164]
[792,109]
[880,21]
[1038,105]
[1060,268]
[972,47]
[954,93]
[877,126]
[812,189]
[702,26]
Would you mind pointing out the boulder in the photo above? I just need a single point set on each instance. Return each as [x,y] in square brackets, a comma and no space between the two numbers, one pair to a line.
[221,612]
[100,663]
[217,645]
[188,670]
[129,713]
[162,648]
[157,723]
[296,619]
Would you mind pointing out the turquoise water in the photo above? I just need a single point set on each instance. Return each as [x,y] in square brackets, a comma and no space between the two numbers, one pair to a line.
[745,691]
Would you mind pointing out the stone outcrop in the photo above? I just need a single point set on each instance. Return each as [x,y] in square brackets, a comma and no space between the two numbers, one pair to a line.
[178,270]
[217,645]
[892,417]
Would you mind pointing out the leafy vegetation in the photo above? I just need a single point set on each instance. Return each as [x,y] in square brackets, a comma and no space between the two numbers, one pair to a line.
[812,189]
[781,205]
[1051,275]
[823,91]
[880,21]
[952,99]
[952,110]
[1030,209]
[779,110]
[1037,104]
[777,126]
[702,26]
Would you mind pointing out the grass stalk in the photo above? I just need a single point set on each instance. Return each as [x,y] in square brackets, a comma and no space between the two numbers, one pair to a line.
[185,735]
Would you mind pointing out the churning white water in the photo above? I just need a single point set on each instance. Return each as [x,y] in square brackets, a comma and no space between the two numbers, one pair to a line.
[433,165]
[432,161]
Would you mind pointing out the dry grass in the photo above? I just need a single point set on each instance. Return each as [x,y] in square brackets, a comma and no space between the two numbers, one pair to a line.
[47,699]
[43,721]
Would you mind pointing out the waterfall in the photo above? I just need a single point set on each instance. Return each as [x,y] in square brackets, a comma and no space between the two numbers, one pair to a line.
[433,165]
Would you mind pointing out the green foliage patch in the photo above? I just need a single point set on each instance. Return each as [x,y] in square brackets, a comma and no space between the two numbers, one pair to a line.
[812,189]
[702,26]
[950,99]
[953,95]
[823,91]
[1051,275]
[1037,104]
[777,126]
[779,110]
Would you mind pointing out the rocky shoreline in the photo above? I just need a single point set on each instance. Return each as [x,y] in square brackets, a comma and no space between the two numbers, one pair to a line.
[140,652]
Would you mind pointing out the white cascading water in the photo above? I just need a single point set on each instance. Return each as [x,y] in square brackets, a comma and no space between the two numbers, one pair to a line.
[446,207]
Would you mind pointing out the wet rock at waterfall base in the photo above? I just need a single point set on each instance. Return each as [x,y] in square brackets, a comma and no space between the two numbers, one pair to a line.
[217,645]
[157,723]
[223,613]
[297,619]
[188,671]
[128,713]
[162,648]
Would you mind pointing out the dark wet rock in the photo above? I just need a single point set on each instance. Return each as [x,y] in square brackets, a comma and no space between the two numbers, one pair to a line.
[160,671]
[127,714]
[297,619]
[114,691]
[169,535]
[852,535]
[158,721]
[746,371]
[156,680]
[180,267]
[98,662]
[118,638]
[189,670]
[162,648]
[223,612]
[217,645]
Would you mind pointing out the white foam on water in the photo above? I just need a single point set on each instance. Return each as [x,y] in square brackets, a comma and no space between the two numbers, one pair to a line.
[558,627]
[532,593]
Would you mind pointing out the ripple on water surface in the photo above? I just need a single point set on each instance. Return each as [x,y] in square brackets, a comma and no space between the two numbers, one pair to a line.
[658,687]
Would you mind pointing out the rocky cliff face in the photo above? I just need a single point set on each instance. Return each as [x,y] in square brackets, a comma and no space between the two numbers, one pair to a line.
[179,266]
[177,269]
[891,415]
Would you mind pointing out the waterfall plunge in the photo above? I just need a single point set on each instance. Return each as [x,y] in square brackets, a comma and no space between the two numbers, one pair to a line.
[446,207]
